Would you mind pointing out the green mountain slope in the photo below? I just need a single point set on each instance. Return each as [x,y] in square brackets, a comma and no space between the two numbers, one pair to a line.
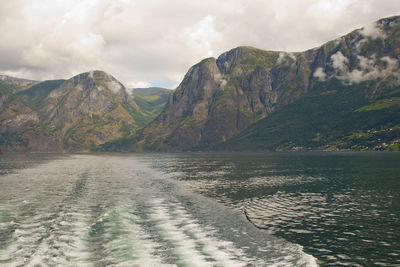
[34,95]
[151,100]
[324,119]
[356,104]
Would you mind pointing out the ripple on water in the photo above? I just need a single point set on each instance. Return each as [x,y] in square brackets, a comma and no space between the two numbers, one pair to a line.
[343,207]
[303,214]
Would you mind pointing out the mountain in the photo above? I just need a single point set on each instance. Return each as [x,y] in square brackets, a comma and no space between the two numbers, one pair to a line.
[219,98]
[151,100]
[10,84]
[353,102]
[344,94]
[34,95]
[20,127]
[68,115]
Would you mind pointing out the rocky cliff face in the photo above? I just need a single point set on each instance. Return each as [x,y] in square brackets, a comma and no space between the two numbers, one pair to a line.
[73,115]
[21,128]
[89,109]
[219,98]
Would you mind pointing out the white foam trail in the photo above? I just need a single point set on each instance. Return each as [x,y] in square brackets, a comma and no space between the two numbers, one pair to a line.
[131,245]
[41,241]
[62,194]
[193,244]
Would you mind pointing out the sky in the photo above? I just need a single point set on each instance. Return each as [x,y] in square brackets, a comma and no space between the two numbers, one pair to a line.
[154,42]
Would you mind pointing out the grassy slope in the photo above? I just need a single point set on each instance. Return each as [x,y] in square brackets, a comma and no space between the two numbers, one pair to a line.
[330,116]
[151,100]
[33,96]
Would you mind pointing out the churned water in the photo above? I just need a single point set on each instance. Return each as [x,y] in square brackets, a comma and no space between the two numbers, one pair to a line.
[132,210]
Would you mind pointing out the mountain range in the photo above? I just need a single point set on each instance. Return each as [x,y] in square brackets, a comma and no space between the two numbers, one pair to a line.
[344,94]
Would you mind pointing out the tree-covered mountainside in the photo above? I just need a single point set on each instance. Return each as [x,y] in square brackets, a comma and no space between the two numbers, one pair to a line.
[67,115]
[344,94]
[151,100]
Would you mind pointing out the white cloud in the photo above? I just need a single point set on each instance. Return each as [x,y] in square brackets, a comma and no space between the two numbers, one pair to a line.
[139,84]
[285,55]
[330,6]
[372,30]
[339,61]
[220,79]
[320,74]
[281,58]
[201,34]
[292,56]
[369,68]
[157,41]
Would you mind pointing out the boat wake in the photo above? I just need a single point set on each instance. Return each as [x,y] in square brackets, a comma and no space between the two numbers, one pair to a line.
[115,210]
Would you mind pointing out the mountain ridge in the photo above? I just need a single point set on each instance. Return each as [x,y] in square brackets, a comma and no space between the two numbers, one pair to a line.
[219,98]
[344,94]
[68,115]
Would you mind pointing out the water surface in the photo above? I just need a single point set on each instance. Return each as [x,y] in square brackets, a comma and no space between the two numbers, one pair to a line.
[122,210]
[344,208]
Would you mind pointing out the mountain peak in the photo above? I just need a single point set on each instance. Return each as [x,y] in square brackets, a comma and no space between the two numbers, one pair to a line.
[100,80]
[79,113]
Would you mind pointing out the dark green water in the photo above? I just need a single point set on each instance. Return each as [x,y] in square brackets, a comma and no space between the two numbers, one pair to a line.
[344,208]
[198,209]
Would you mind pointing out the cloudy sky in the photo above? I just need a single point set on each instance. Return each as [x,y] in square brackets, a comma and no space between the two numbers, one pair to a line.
[154,42]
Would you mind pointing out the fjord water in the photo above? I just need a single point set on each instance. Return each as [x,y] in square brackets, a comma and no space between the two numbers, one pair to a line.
[200,209]
[117,210]
[343,208]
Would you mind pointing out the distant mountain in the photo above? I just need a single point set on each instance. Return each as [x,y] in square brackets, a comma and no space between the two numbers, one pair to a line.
[151,100]
[68,115]
[342,95]
[12,85]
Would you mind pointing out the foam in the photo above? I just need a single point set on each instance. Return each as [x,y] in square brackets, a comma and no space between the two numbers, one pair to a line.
[134,246]
[192,244]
